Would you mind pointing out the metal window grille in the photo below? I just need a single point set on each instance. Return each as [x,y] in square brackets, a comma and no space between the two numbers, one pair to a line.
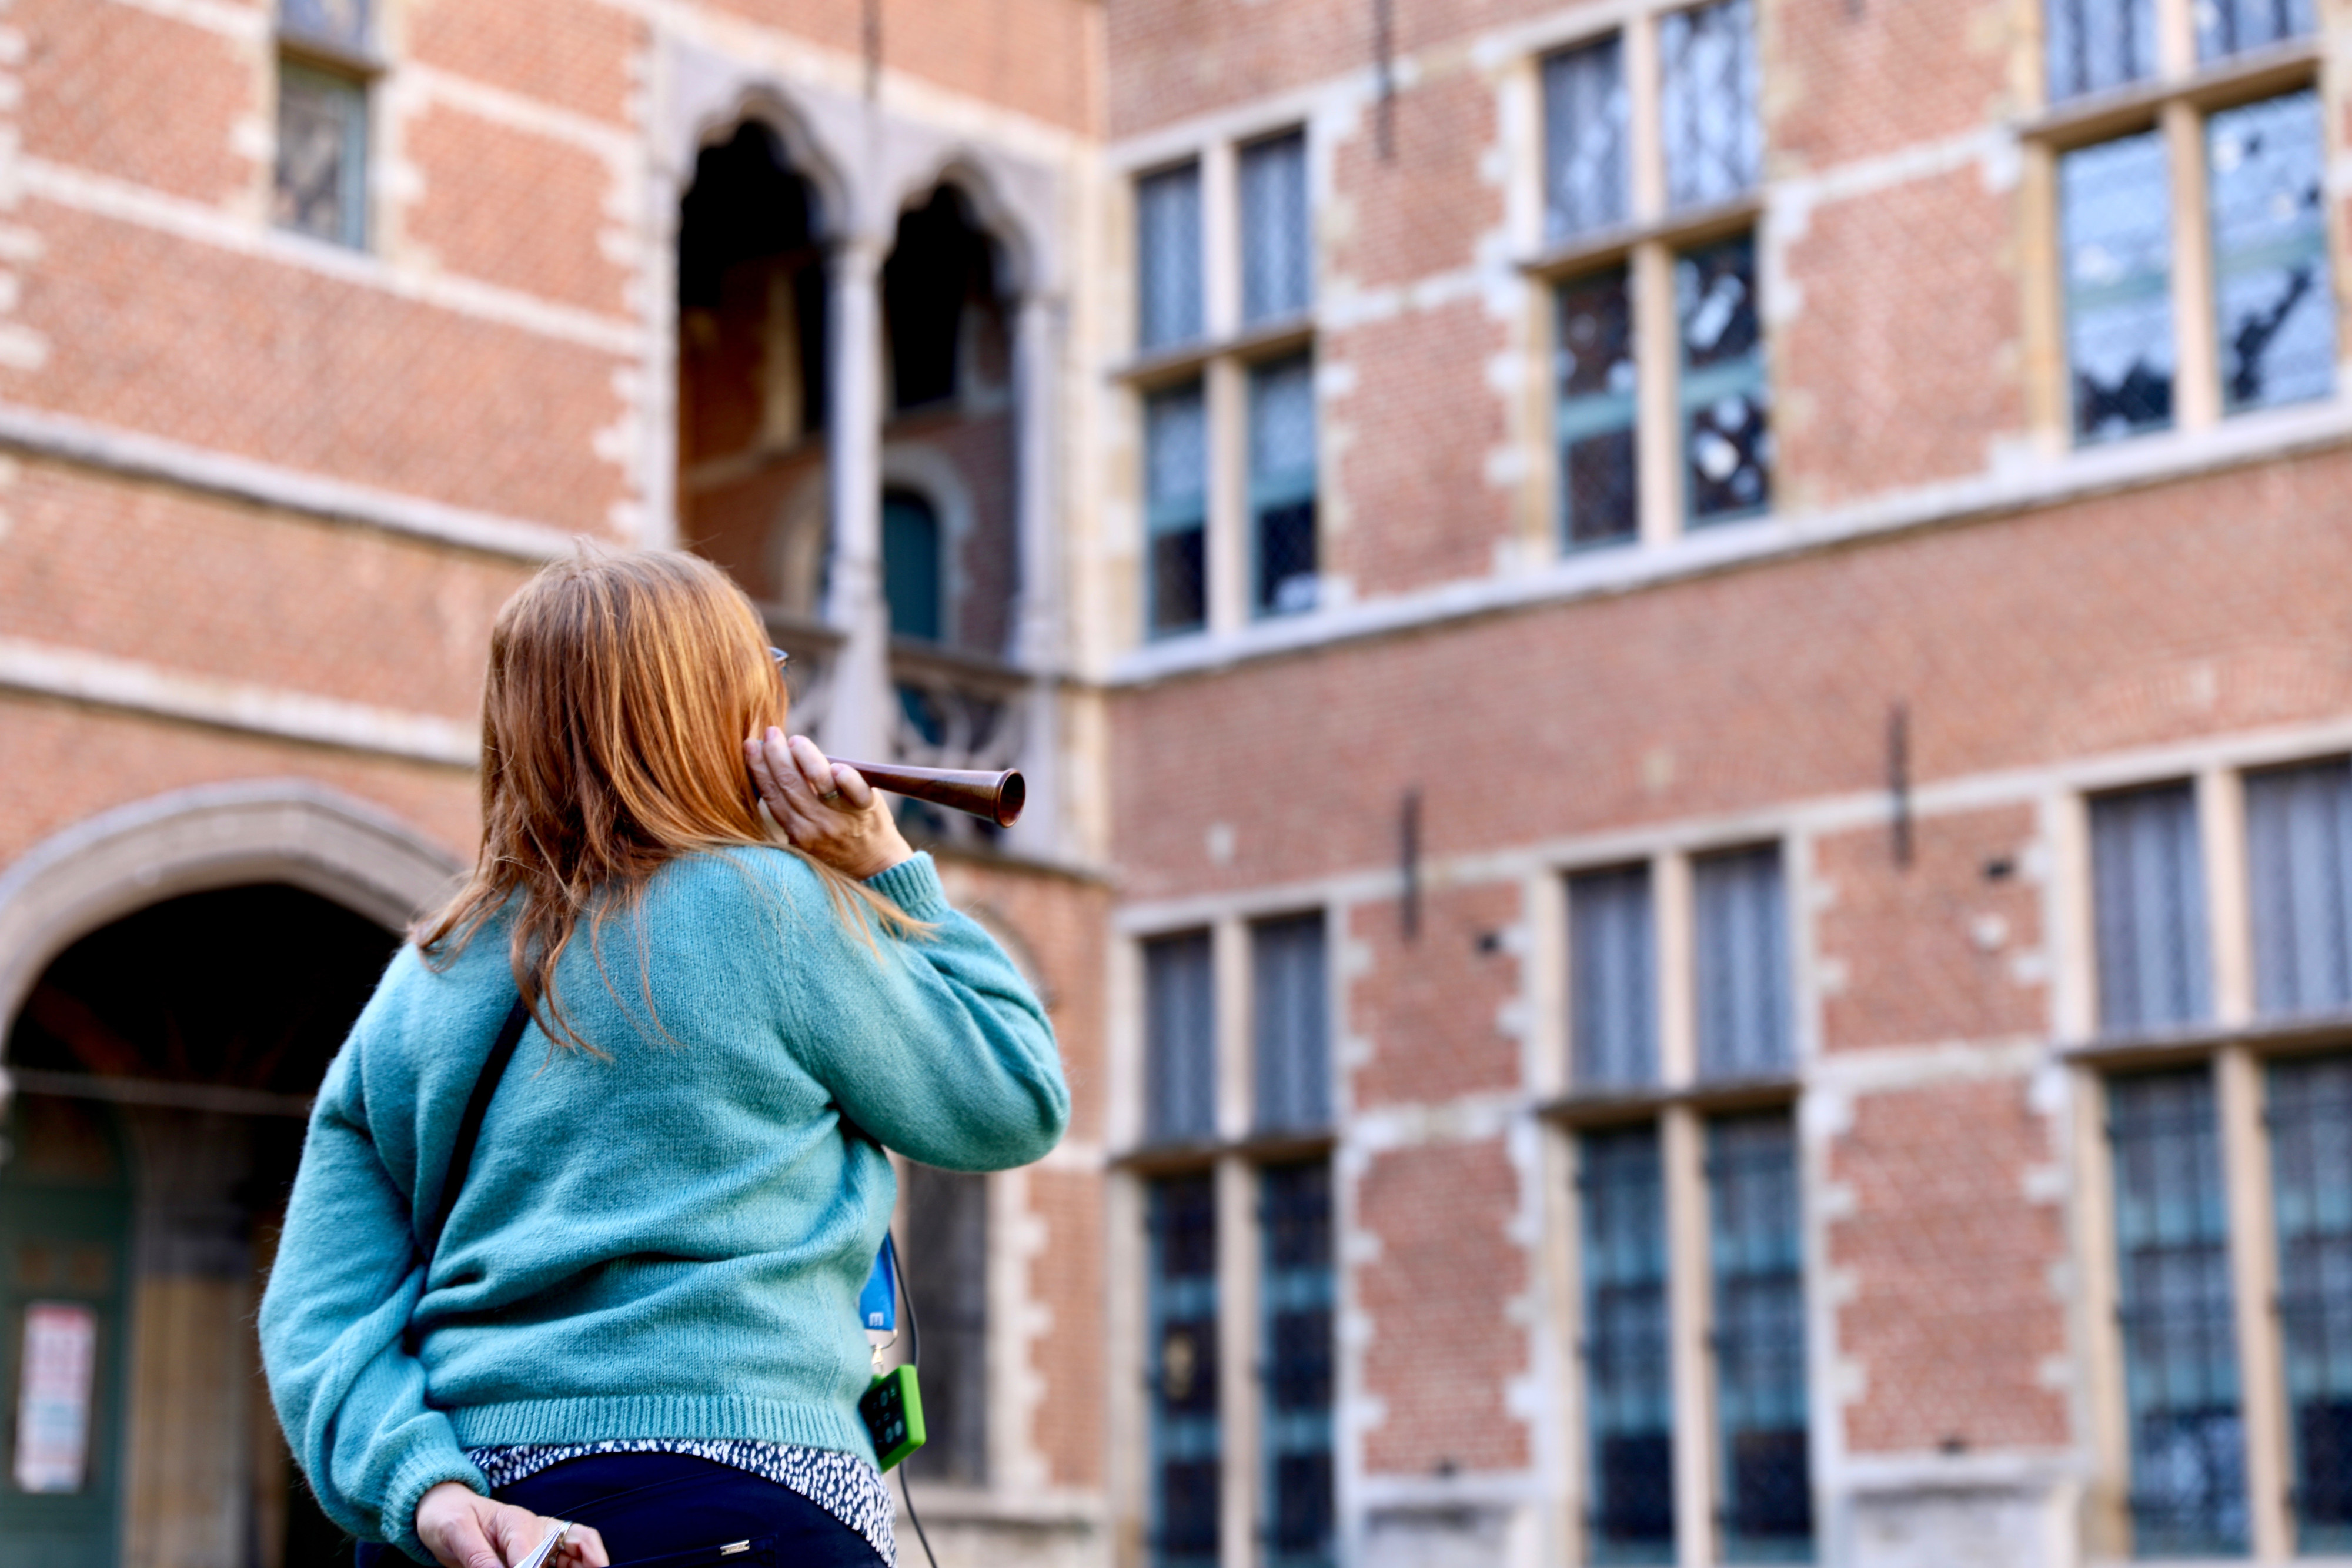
[2299,862]
[2148,904]
[346,24]
[1628,1373]
[1176,510]
[2115,220]
[1714,139]
[320,185]
[1168,256]
[1291,1037]
[2232,26]
[1757,1253]
[1179,1037]
[1723,396]
[947,1271]
[2310,1163]
[1186,1446]
[1299,1292]
[2094,45]
[1278,255]
[1282,485]
[1586,157]
[1742,963]
[2180,1347]
[2273,301]
[1599,470]
[1611,974]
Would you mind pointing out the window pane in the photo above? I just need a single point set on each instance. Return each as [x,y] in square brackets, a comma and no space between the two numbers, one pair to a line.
[1282,485]
[2275,311]
[1292,1050]
[1756,1247]
[342,22]
[2148,892]
[1715,142]
[1185,1450]
[1742,965]
[1609,978]
[1725,403]
[322,178]
[1628,1383]
[947,1269]
[2299,862]
[2180,1347]
[1168,256]
[2115,215]
[912,562]
[1585,151]
[2098,44]
[2310,1163]
[1597,470]
[1180,1038]
[1298,1296]
[1278,260]
[1176,507]
[2228,27]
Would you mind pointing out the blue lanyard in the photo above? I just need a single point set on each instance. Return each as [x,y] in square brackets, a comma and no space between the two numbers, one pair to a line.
[878,1303]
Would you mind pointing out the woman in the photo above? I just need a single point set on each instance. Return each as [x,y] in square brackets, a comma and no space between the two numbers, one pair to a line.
[642,1312]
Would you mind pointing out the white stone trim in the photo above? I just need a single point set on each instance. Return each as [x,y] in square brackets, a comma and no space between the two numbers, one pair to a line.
[78,676]
[140,455]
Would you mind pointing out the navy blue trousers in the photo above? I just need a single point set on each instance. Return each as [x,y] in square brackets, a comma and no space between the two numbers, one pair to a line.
[673,1510]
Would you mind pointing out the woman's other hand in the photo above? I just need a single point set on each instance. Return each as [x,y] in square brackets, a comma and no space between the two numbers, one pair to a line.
[825,808]
[463,1529]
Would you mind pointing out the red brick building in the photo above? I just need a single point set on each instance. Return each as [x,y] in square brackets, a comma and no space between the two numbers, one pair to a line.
[1683,668]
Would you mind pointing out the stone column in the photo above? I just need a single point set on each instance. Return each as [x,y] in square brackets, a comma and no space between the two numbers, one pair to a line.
[1037,643]
[858,718]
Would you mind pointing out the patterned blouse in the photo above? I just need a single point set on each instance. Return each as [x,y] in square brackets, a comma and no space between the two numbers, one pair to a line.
[844,1485]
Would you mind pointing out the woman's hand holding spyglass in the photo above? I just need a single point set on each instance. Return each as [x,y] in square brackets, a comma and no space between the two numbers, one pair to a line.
[826,810]
[463,1529]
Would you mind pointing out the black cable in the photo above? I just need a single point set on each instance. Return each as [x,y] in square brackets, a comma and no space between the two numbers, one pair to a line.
[914,1360]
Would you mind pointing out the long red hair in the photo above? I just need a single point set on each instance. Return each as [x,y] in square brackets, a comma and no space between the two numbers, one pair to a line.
[620,690]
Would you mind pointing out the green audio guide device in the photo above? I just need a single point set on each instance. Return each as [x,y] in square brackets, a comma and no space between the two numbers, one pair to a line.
[893,1409]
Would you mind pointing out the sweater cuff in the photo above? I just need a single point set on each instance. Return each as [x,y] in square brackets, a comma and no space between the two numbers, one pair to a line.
[913,885]
[415,1476]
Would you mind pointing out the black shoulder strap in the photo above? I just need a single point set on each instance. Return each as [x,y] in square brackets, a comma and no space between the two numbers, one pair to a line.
[470,1128]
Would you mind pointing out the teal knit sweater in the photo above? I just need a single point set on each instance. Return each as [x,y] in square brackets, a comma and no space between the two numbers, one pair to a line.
[665,1243]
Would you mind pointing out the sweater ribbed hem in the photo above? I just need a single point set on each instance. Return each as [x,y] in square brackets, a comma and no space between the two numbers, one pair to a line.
[913,885]
[411,1481]
[597,1418]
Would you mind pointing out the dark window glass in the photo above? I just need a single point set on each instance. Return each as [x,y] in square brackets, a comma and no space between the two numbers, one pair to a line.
[1282,485]
[2115,217]
[1594,369]
[1742,963]
[912,562]
[2232,26]
[1176,510]
[1298,1296]
[2299,863]
[2098,44]
[1723,396]
[1186,1458]
[2148,901]
[322,179]
[1585,148]
[1756,1248]
[2274,302]
[1291,1037]
[947,1271]
[1278,257]
[2311,1165]
[2181,1346]
[1610,977]
[1168,256]
[1628,1375]
[1180,1038]
[1714,139]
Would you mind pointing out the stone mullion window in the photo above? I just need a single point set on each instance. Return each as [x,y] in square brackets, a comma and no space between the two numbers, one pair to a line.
[1298,1302]
[327,65]
[1185,1508]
